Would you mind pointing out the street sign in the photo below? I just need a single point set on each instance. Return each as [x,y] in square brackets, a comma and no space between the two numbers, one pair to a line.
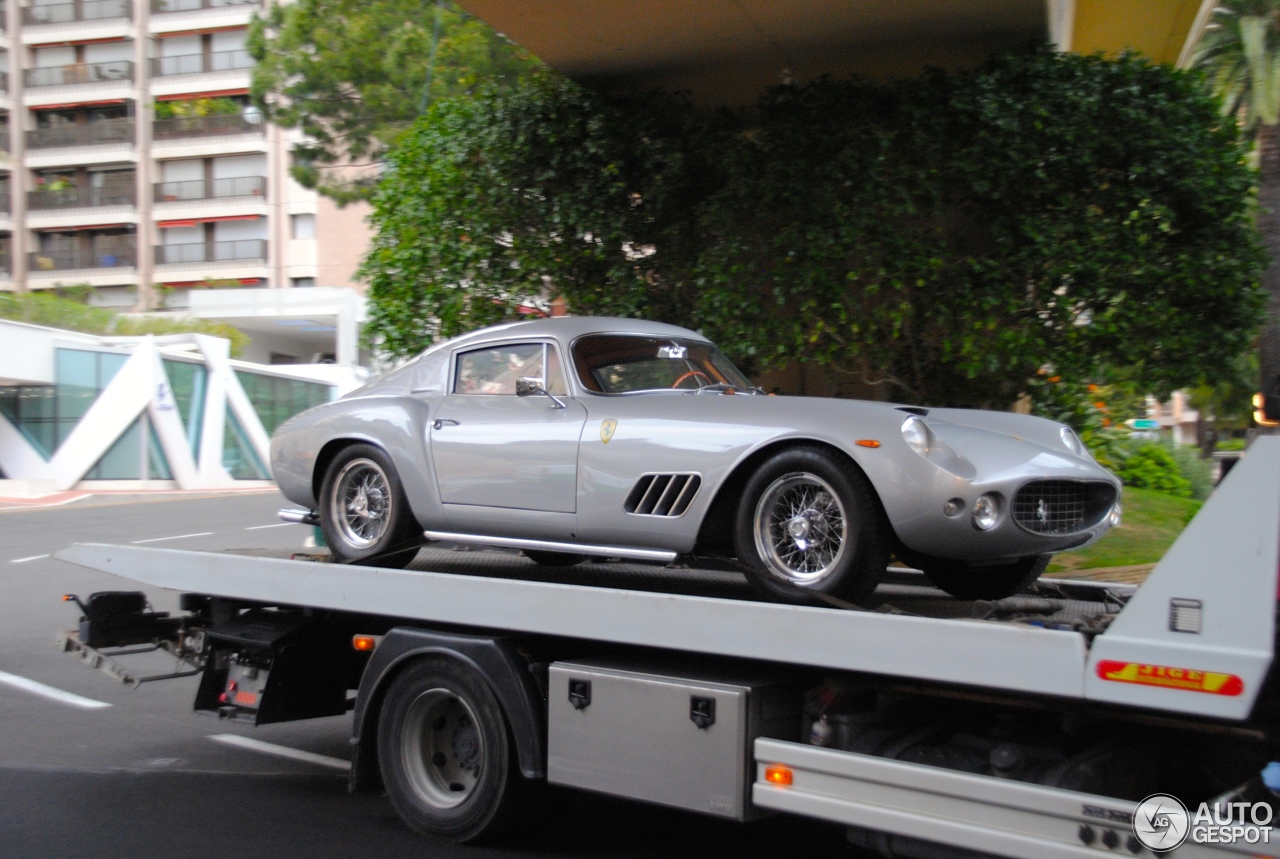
[1143,424]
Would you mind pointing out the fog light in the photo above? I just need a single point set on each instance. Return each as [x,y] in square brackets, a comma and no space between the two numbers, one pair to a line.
[953,507]
[1115,515]
[986,512]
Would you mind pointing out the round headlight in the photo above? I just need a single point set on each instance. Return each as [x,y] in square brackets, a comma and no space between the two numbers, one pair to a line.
[1072,441]
[915,434]
[1115,515]
[986,512]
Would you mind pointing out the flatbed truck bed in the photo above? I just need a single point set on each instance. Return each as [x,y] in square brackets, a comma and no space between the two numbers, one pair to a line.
[1019,727]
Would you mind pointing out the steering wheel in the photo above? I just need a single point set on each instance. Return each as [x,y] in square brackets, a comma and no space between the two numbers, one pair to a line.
[677,382]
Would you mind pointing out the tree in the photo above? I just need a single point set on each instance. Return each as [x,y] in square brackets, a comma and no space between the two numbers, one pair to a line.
[1241,53]
[540,186]
[354,74]
[943,238]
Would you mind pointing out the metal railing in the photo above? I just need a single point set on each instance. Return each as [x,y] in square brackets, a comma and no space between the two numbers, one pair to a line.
[78,198]
[159,7]
[79,73]
[202,189]
[101,256]
[5,208]
[102,131]
[4,78]
[81,10]
[4,138]
[177,127]
[244,249]
[194,64]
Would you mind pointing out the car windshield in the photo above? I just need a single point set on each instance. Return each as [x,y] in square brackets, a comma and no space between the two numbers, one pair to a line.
[626,364]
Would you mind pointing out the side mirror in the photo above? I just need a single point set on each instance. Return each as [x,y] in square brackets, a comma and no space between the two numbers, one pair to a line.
[528,386]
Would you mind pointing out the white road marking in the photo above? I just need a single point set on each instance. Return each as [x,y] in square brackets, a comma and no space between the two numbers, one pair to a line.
[260,527]
[24,560]
[177,537]
[281,751]
[51,693]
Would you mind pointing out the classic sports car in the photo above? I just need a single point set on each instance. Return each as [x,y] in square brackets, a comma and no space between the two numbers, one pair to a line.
[578,436]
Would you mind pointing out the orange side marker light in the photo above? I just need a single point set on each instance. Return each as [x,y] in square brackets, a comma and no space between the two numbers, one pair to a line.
[867,442]
[365,643]
[777,774]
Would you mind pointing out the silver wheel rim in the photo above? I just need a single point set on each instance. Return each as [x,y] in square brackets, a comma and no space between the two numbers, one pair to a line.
[442,747]
[800,528]
[362,503]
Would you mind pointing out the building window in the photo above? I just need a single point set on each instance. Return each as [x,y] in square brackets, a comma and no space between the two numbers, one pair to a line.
[304,226]
[302,281]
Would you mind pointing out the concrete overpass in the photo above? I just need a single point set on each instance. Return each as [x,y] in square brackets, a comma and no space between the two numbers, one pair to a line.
[726,51]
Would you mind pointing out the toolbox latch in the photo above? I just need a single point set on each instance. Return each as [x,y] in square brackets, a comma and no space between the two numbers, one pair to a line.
[702,711]
[579,693]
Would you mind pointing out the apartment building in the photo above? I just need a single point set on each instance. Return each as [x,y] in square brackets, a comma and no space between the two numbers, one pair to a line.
[136,164]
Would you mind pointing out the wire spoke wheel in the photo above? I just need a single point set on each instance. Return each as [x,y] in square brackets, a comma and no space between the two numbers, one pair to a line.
[363,498]
[801,528]
[443,748]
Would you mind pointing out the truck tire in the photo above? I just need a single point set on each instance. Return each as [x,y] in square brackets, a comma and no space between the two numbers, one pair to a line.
[445,753]
[364,513]
[810,524]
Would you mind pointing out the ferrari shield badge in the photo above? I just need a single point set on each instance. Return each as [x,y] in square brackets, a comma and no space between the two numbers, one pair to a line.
[606,430]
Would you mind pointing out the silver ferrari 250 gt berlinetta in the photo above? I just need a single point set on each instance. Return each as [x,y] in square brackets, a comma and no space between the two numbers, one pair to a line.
[578,436]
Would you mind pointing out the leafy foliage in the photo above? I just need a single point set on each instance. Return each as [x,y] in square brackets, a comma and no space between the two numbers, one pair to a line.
[944,238]
[1153,467]
[1241,52]
[353,74]
[39,308]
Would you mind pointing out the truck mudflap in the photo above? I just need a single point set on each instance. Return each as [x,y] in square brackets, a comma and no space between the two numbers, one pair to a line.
[912,809]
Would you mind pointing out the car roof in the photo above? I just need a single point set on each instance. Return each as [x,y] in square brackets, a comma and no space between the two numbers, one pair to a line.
[569,328]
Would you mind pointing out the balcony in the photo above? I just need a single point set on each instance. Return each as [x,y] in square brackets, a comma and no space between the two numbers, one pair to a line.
[4,82]
[5,208]
[179,127]
[87,134]
[196,64]
[195,252]
[79,73]
[82,10]
[79,198]
[69,259]
[160,7]
[215,189]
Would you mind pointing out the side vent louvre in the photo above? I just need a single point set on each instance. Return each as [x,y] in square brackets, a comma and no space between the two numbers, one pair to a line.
[662,494]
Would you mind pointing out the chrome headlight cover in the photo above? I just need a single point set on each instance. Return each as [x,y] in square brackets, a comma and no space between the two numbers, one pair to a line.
[916,434]
[1072,442]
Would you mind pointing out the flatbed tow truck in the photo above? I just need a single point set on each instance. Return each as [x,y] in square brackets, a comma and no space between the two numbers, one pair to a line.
[1034,726]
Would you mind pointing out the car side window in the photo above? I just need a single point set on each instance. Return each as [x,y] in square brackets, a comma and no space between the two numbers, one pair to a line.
[495,369]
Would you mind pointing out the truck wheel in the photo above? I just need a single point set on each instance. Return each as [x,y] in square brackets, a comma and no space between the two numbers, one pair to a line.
[808,524]
[443,747]
[994,582]
[364,512]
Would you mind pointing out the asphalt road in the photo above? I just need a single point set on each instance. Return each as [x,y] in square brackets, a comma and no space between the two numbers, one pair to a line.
[89,768]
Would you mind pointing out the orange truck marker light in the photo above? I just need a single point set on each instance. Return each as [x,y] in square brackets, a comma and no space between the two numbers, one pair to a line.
[777,774]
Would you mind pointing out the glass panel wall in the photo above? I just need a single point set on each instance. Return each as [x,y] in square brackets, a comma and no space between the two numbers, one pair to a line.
[276,399]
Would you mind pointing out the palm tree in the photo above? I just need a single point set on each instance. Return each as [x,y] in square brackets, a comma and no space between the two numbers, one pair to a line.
[1240,52]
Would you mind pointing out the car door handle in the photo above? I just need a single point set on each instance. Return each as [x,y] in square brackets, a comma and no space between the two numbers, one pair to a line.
[443,422]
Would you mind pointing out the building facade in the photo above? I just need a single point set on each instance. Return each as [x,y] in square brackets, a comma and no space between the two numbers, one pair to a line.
[136,164]
[82,411]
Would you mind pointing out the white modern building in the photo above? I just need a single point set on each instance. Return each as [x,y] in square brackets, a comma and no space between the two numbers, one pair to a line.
[81,411]
[133,161]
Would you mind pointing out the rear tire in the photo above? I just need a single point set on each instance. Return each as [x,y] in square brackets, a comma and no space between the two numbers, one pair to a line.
[364,513]
[553,559]
[811,524]
[994,582]
[446,758]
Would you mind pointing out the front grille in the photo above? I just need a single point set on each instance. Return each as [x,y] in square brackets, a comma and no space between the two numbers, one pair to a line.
[662,494]
[1062,506]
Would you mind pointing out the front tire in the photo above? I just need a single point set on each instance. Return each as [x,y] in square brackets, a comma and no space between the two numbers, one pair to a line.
[364,513]
[446,760]
[810,524]
[993,582]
